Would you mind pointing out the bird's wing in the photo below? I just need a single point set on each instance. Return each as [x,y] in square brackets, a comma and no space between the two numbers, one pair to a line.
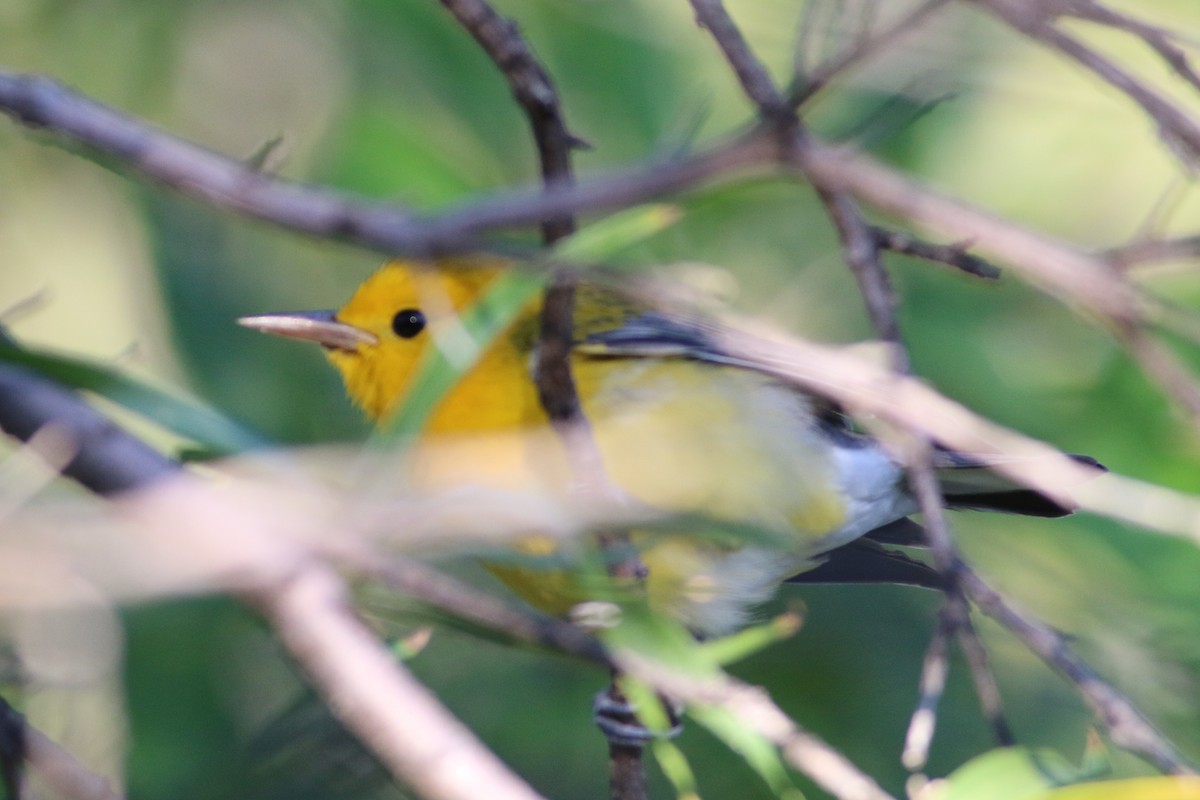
[653,335]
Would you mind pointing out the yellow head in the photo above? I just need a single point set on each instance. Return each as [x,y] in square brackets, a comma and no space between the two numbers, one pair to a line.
[378,338]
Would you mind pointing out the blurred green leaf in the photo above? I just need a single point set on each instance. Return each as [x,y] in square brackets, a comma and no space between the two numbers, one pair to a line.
[674,764]
[747,642]
[215,432]
[602,240]
[659,638]
[1010,773]
[759,752]
[663,640]
[1161,787]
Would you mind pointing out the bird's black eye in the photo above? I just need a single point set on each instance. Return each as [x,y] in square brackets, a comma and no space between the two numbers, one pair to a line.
[408,323]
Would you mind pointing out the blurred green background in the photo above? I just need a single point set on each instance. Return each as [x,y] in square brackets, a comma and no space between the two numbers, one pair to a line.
[389,98]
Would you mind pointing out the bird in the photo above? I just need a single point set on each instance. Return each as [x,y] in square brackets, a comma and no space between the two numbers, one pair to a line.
[679,427]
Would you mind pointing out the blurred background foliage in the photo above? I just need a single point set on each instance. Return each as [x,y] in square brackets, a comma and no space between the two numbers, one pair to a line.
[389,98]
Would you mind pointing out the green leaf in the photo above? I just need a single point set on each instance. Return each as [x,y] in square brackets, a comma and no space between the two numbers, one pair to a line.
[675,767]
[1161,787]
[760,753]
[650,709]
[659,638]
[749,641]
[216,433]
[601,240]
[1011,773]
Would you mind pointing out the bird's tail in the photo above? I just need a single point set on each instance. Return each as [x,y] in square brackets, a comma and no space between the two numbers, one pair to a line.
[971,482]
[967,482]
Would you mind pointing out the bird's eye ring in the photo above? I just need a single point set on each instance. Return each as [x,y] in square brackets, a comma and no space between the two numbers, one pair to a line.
[408,323]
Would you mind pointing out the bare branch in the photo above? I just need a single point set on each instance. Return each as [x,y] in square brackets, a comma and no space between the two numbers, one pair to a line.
[952,255]
[1120,719]
[1176,380]
[60,771]
[202,174]
[552,372]
[377,698]
[556,391]
[923,723]
[1161,40]
[534,91]
[1055,267]
[1150,250]
[370,691]
[415,580]
[626,773]
[558,396]
[981,673]
[860,251]
[1181,132]
[107,459]
[751,73]
[805,87]
[954,619]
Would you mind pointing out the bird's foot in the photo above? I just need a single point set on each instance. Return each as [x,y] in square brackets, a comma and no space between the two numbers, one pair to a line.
[617,719]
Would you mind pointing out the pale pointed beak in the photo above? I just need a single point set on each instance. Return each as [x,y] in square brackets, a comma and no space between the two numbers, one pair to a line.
[321,327]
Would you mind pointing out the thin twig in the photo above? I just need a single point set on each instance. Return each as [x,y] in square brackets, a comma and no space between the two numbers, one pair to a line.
[60,771]
[535,93]
[1180,131]
[558,396]
[755,80]
[1117,715]
[1175,378]
[805,87]
[429,586]
[1158,39]
[923,723]
[925,486]
[1054,266]
[226,184]
[952,255]
[860,251]
[626,759]
[954,619]
[230,185]
[859,246]
[1151,250]
[986,688]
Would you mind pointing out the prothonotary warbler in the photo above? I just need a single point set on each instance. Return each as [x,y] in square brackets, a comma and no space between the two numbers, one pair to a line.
[678,427]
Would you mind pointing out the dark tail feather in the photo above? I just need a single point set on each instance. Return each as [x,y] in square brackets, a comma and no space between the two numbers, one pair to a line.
[1018,501]
[969,482]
